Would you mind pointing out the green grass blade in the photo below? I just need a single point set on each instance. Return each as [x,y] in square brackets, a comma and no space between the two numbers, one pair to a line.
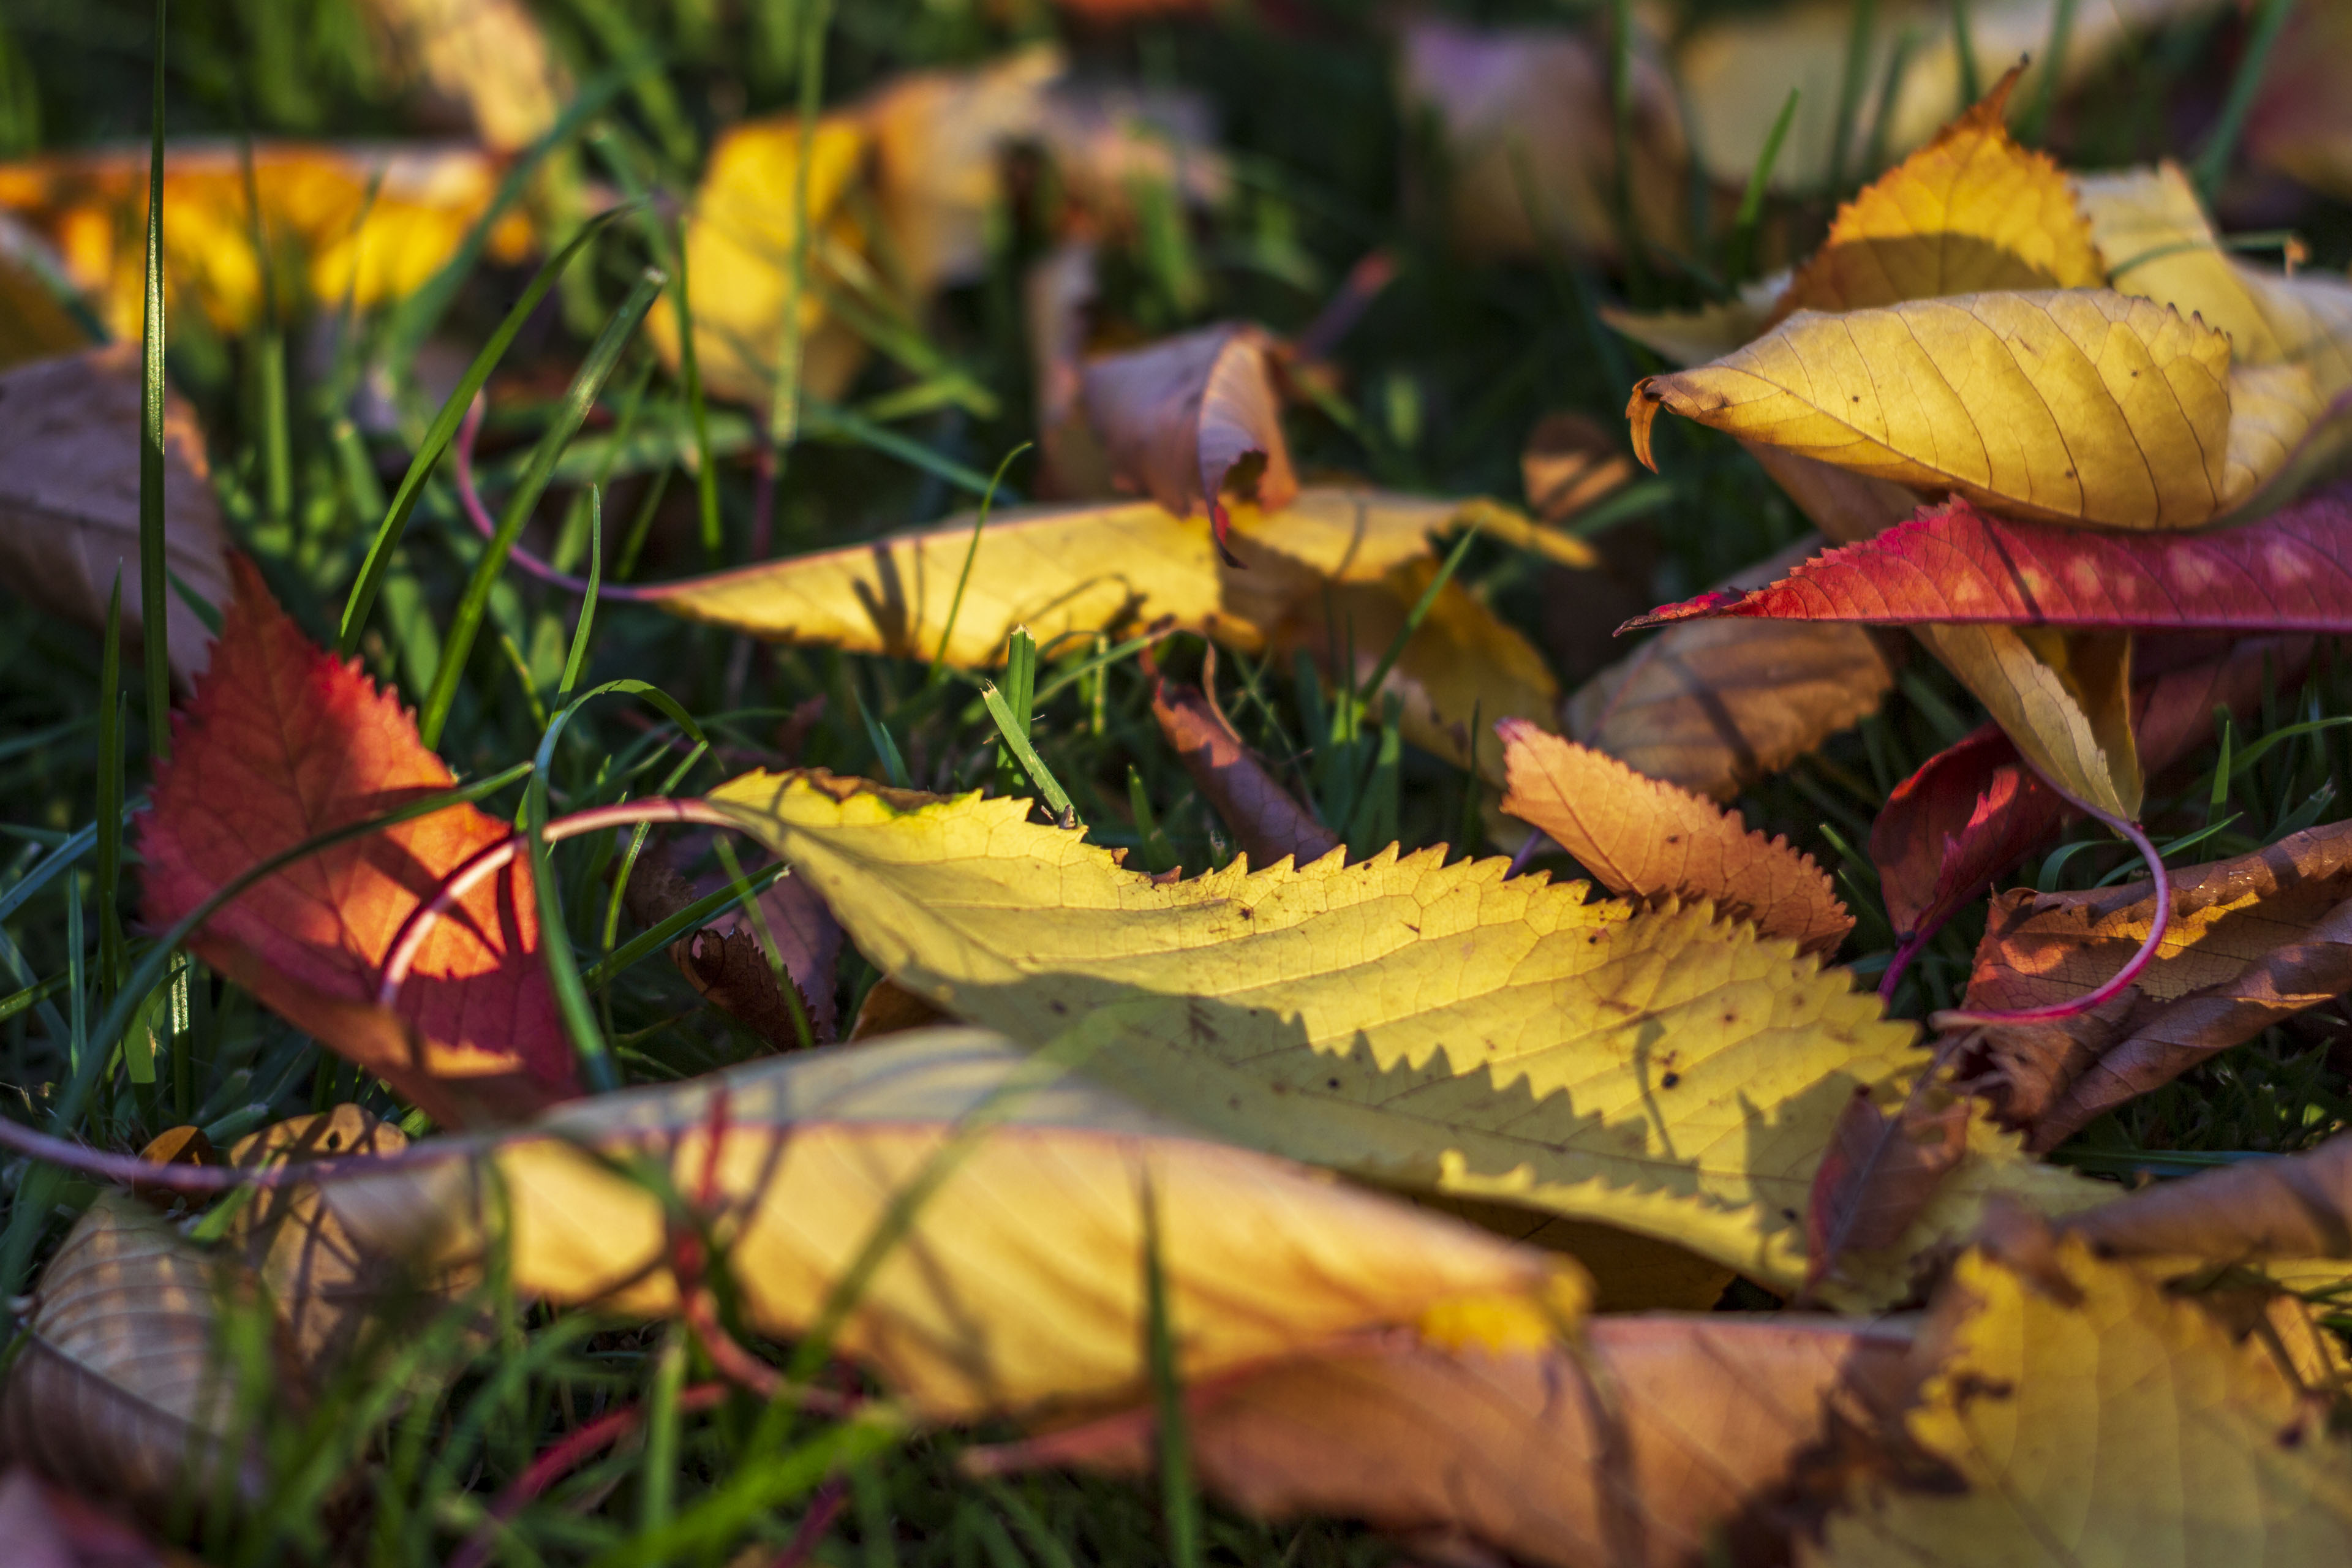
[437,437]
[112,777]
[607,969]
[1179,1500]
[970,554]
[466,622]
[1851,82]
[1419,613]
[154,635]
[577,659]
[2046,90]
[2213,158]
[1008,726]
[783,408]
[1739,254]
[1964,50]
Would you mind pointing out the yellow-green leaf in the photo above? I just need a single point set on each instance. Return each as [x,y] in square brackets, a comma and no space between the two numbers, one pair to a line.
[2094,1420]
[2063,697]
[1428,1026]
[1018,1281]
[2075,405]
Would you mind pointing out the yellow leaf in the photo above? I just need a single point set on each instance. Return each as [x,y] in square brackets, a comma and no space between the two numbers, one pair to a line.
[2158,243]
[939,142]
[740,243]
[1058,570]
[2077,406]
[2064,698]
[2095,1421]
[33,323]
[1969,212]
[1710,332]
[1428,1026]
[1018,1281]
[490,56]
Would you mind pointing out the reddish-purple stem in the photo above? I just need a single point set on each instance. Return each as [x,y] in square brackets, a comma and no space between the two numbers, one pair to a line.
[1910,947]
[2121,979]
[470,499]
[815,1524]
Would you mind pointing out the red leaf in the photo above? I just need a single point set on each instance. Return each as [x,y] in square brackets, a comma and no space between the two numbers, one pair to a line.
[283,742]
[2291,571]
[1974,810]
[1877,1173]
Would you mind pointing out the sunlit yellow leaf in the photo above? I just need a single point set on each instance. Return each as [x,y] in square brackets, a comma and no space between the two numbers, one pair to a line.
[1019,1281]
[1428,1026]
[2079,405]
[1969,212]
[2093,1420]
[740,243]
[1127,567]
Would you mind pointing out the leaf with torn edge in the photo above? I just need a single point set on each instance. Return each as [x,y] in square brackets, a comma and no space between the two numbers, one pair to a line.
[284,742]
[1185,420]
[2077,405]
[1426,1027]
[969,1313]
[69,497]
[1974,810]
[1265,818]
[122,1384]
[1969,213]
[1640,1448]
[2251,940]
[2089,1417]
[1126,567]
[2289,572]
[1647,837]
[1713,706]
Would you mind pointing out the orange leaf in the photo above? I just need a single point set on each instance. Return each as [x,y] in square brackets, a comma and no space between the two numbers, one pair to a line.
[1645,836]
[282,742]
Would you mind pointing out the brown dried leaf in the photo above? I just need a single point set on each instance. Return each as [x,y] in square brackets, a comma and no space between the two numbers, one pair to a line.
[1878,1174]
[727,962]
[1640,1448]
[2263,1210]
[1266,819]
[1711,711]
[1056,294]
[1644,836]
[2253,940]
[1570,460]
[1184,419]
[122,1381]
[69,497]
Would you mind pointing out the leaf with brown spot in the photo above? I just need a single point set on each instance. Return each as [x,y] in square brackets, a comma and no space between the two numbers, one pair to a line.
[1647,837]
[1266,819]
[2253,940]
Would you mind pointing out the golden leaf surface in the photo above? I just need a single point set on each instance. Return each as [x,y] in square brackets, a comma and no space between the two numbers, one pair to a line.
[2077,405]
[1969,213]
[1427,1026]
[1129,566]
[1019,1280]
[2096,1420]
[2063,697]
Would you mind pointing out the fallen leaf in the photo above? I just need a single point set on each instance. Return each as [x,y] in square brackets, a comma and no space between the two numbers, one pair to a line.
[2064,699]
[1969,213]
[1525,122]
[1845,505]
[1570,461]
[329,1288]
[969,1313]
[1647,837]
[370,223]
[1056,294]
[69,497]
[939,141]
[34,322]
[727,965]
[1427,1026]
[2077,405]
[284,742]
[2260,1210]
[489,56]
[1881,1172]
[1631,1273]
[741,237]
[1642,1447]
[121,1390]
[1974,810]
[1710,331]
[2084,1416]
[2158,243]
[2290,571]
[1115,147]
[1185,419]
[48,1527]
[1088,568]
[2251,940]
[1713,706]
[1265,818]
[2301,122]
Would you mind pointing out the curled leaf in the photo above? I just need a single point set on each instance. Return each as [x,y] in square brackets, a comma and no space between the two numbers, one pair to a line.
[1266,819]
[1185,420]
[1644,836]
[794,1161]
[282,742]
[2251,940]
[2064,699]
[2290,571]
[728,962]
[2078,405]
[69,497]
[1642,1449]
